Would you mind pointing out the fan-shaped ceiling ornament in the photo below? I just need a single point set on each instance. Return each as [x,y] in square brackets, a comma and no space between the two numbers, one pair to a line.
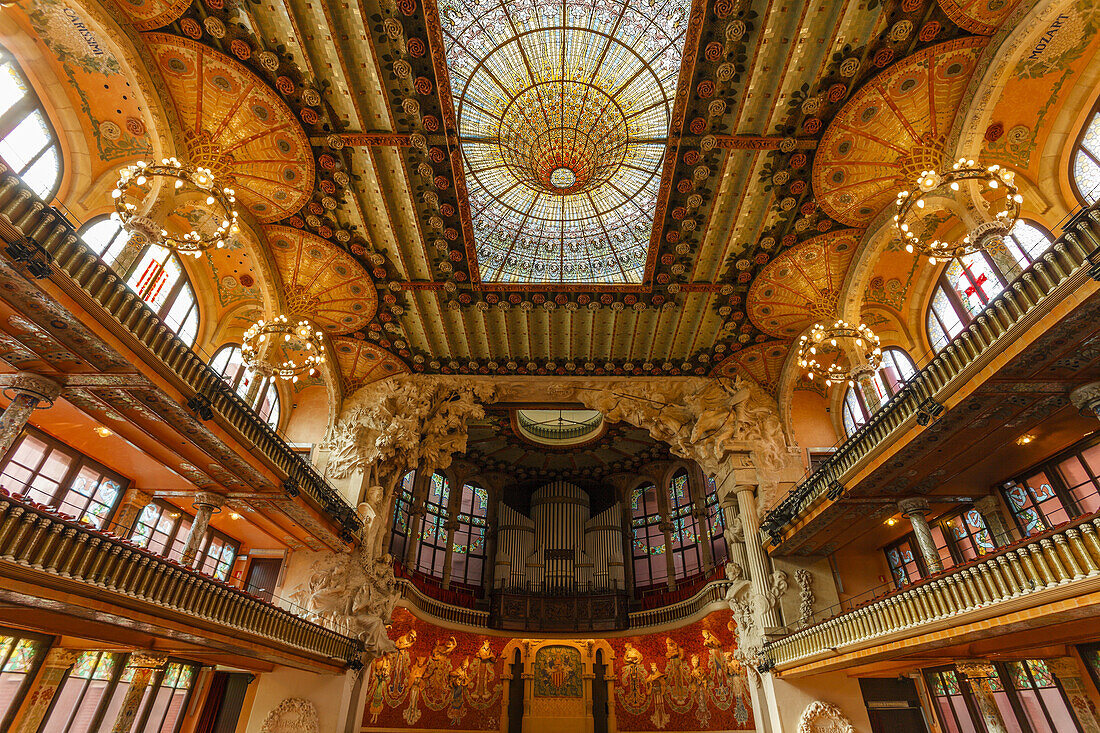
[236,126]
[894,128]
[983,17]
[761,362]
[145,15]
[321,282]
[801,286]
[361,363]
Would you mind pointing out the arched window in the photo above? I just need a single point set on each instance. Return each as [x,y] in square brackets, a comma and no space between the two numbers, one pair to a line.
[431,556]
[468,548]
[399,536]
[259,392]
[27,141]
[650,566]
[159,278]
[716,522]
[1086,162]
[897,368]
[967,284]
[685,529]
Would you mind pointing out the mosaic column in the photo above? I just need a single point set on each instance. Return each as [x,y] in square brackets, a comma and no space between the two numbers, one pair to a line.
[42,690]
[1086,399]
[205,504]
[995,521]
[983,680]
[754,551]
[28,392]
[914,509]
[144,665]
[1070,674]
[132,505]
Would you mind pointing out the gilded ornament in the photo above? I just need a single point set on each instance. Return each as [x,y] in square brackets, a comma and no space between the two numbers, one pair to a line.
[214,26]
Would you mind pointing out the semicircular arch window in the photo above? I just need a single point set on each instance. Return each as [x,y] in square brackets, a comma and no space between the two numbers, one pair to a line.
[258,391]
[157,275]
[1085,167]
[564,112]
[28,143]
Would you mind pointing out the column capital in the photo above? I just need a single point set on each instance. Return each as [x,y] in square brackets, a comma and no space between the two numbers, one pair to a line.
[976,669]
[137,498]
[147,660]
[744,488]
[913,505]
[33,385]
[210,499]
[1086,398]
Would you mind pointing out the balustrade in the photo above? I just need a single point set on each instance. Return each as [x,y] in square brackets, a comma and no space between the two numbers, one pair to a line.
[37,538]
[1059,558]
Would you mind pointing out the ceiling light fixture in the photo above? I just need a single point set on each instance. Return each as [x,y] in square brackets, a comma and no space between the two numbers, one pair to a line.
[989,193]
[279,348]
[185,190]
[1025,439]
[842,352]
[101,431]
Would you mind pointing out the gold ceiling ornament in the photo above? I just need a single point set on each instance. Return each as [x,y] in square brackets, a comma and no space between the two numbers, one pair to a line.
[193,189]
[969,186]
[279,348]
[841,352]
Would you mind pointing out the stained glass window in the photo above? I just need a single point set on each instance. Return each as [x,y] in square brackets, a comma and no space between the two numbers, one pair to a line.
[27,141]
[905,565]
[967,285]
[399,537]
[686,559]
[563,112]
[257,390]
[19,657]
[969,535]
[432,553]
[85,690]
[163,528]
[1035,504]
[716,522]
[159,278]
[49,472]
[1040,697]
[468,548]
[1086,162]
[648,539]
[952,701]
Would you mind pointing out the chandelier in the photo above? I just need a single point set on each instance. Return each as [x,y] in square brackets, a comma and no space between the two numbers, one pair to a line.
[842,352]
[279,348]
[919,211]
[193,186]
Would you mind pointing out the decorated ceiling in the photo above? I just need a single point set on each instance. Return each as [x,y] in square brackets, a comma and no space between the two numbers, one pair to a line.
[589,187]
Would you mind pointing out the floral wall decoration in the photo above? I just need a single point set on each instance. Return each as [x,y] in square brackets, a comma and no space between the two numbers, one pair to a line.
[436,679]
[685,679]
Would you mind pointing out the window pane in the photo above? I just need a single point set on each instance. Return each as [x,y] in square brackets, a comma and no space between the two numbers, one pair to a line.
[945,324]
[106,238]
[12,87]
[1087,175]
[25,141]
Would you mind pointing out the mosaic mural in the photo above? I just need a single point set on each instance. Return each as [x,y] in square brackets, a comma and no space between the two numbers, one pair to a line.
[557,672]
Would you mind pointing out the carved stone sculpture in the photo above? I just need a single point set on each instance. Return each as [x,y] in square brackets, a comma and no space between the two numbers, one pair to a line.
[292,715]
[354,594]
[821,717]
[805,581]
[749,608]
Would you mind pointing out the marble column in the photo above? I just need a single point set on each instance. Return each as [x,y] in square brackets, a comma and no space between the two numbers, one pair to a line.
[914,509]
[43,688]
[980,675]
[130,508]
[995,520]
[28,392]
[206,502]
[754,551]
[144,666]
[1086,399]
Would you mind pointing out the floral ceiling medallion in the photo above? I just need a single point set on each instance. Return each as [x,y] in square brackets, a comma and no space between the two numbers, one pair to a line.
[563,113]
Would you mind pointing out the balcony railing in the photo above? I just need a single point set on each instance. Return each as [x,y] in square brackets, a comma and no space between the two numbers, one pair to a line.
[41,240]
[1069,261]
[1058,562]
[37,538]
[439,609]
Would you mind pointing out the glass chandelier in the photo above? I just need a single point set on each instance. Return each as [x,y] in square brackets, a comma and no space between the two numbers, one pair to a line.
[279,348]
[192,187]
[841,352]
[940,197]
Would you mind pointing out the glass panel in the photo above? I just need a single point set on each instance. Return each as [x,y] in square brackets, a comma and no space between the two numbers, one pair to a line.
[944,322]
[25,141]
[105,237]
[43,175]
[12,86]
[1086,173]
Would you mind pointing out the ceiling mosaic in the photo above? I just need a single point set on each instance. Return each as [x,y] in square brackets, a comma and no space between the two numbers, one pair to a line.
[590,187]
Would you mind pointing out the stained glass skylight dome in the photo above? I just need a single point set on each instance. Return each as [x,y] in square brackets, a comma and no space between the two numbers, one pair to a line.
[563,113]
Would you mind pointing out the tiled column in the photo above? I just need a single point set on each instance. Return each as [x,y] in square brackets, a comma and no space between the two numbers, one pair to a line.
[914,509]
[980,675]
[133,504]
[145,665]
[44,687]
[754,551]
[1086,398]
[990,509]
[1070,674]
[205,504]
[28,392]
